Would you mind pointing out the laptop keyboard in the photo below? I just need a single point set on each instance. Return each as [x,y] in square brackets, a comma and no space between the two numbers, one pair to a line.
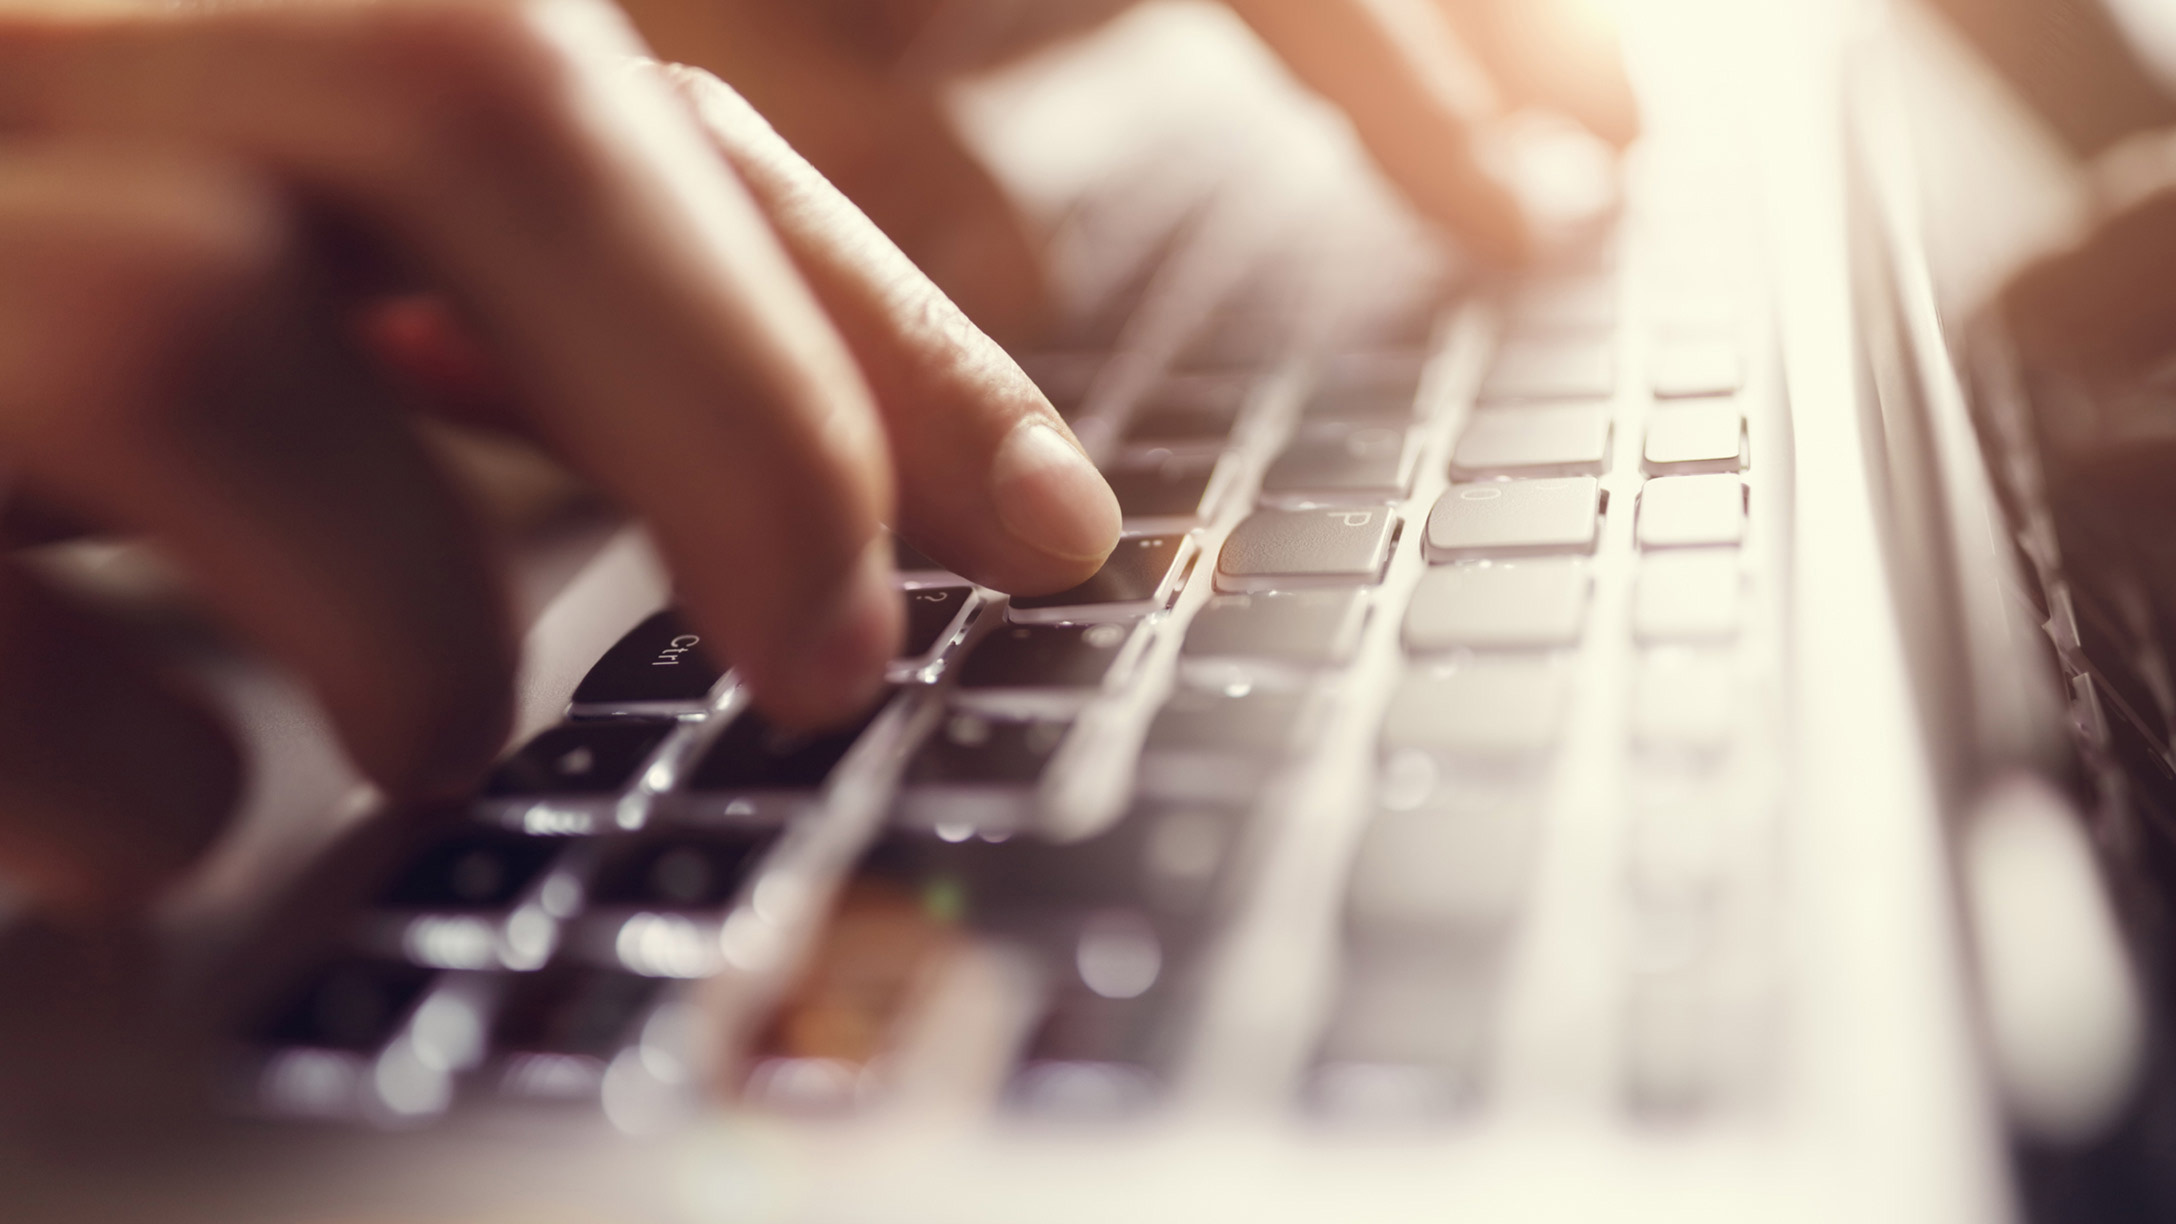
[1430,700]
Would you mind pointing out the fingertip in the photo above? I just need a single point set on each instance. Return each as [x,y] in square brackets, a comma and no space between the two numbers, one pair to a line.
[1487,217]
[433,727]
[835,670]
[1051,498]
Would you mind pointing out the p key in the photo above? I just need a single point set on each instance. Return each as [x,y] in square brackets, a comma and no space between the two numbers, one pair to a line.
[1291,549]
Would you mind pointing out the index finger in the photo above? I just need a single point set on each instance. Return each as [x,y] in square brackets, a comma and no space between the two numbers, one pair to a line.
[657,332]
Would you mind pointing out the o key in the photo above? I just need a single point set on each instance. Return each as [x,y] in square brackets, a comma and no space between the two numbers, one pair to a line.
[1517,518]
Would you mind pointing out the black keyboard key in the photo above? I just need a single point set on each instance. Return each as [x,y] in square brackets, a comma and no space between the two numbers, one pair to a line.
[592,1013]
[973,750]
[1180,426]
[824,1048]
[1101,1045]
[1087,1026]
[349,1005]
[660,659]
[1371,463]
[1133,580]
[1217,724]
[1044,656]
[754,755]
[680,872]
[1188,413]
[598,758]
[1384,407]
[1233,344]
[907,559]
[1163,491]
[475,869]
[932,612]
[1163,859]
[1210,746]
[1303,628]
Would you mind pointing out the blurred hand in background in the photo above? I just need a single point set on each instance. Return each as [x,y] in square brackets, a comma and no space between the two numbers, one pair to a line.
[855,85]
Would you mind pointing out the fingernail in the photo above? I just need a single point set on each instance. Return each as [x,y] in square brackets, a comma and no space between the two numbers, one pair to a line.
[841,669]
[1051,497]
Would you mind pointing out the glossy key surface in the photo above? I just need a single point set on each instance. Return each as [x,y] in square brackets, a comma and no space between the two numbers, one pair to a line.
[1208,721]
[1185,413]
[1299,548]
[1302,628]
[1443,872]
[1694,595]
[350,1004]
[1405,1038]
[590,758]
[932,615]
[1044,656]
[755,755]
[1133,580]
[692,870]
[1695,436]
[1691,511]
[1515,518]
[573,1010]
[1168,490]
[910,561]
[972,749]
[660,660]
[473,869]
[1533,371]
[1366,462]
[1375,389]
[1566,440]
[1499,708]
[1520,605]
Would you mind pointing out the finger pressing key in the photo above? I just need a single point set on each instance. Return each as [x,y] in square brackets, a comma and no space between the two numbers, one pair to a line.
[657,335]
[991,481]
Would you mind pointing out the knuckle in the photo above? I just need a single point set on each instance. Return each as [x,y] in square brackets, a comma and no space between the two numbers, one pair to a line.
[479,82]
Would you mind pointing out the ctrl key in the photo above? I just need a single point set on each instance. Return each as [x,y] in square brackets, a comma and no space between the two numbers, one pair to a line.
[661,662]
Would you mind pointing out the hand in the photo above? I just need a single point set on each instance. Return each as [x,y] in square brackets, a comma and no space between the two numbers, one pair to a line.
[1416,76]
[243,249]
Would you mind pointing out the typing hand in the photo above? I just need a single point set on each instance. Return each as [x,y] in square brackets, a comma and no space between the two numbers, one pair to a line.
[841,79]
[243,248]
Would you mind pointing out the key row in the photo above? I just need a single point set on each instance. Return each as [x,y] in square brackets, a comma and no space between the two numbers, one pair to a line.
[1289,549]
[1374,462]
[1111,923]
